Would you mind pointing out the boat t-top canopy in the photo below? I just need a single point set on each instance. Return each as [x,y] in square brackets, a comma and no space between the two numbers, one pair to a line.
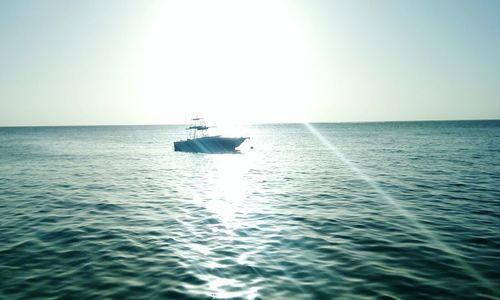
[197,125]
[200,127]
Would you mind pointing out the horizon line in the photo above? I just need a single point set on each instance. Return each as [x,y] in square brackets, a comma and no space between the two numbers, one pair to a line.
[254,124]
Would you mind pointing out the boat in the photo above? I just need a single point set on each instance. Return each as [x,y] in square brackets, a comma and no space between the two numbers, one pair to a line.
[199,141]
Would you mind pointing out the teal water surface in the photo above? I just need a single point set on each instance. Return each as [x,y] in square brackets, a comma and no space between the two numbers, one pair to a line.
[407,210]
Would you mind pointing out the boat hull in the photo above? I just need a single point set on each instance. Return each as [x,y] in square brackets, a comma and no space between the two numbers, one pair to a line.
[210,144]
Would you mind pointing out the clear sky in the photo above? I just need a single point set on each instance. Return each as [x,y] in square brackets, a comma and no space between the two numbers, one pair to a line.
[160,62]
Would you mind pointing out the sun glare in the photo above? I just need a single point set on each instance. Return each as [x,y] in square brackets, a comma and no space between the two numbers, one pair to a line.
[230,61]
[227,199]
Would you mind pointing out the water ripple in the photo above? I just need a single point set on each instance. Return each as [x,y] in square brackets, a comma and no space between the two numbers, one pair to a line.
[113,212]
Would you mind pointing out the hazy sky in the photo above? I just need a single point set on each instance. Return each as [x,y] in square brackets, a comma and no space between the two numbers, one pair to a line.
[150,62]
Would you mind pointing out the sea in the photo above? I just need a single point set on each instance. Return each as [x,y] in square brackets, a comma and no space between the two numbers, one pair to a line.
[392,210]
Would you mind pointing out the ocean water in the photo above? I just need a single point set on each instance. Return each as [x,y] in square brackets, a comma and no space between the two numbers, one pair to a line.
[407,210]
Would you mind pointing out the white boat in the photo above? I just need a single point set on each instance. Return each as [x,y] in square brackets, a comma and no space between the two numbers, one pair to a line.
[198,140]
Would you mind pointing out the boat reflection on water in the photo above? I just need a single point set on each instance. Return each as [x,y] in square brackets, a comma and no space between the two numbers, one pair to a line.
[199,141]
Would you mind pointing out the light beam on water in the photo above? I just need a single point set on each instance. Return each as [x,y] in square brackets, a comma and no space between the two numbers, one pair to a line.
[433,238]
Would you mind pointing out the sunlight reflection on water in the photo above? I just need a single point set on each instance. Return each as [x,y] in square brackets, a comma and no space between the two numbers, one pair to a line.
[228,195]
[226,198]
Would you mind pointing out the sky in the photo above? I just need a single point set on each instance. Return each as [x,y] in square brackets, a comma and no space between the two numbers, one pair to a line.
[162,62]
